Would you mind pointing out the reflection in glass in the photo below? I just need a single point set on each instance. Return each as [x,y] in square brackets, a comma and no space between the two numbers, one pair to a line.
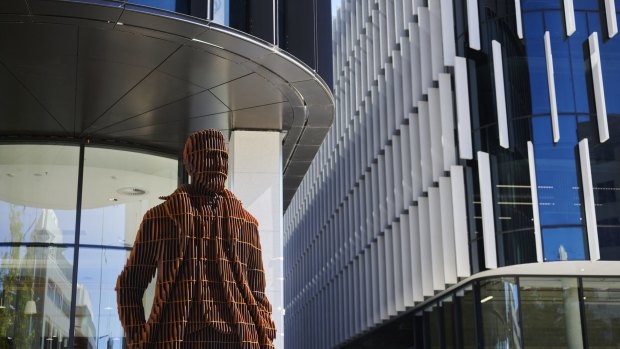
[499,304]
[221,12]
[119,186]
[550,310]
[35,296]
[449,316]
[38,193]
[468,317]
[98,270]
[602,311]
[434,326]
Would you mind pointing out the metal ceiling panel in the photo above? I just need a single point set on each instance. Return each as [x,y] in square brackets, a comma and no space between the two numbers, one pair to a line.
[264,117]
[198,105]
[156,90]
[13,7]
[248,91]
[80,10]
[202,68]
[19,109]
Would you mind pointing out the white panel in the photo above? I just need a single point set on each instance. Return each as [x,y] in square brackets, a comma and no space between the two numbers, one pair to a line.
[425,49]
[399,301]
[519,19]
[461,233]
[447,230]
[416,268]
[588,199]
[500,95]
[447,32]
[551,84]
[425,145]
[406,260]
[416,169]
[434,208]
[447,121]
[462,108]
[472,24]
[436,42]
[383,288]
[414,54]
[426,264]
[535,210]
[434,116]
[612,22]
[389,272]
[486,202]
[599,91]
[569,17]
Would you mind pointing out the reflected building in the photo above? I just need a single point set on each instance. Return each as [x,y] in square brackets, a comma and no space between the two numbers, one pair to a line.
[466,195]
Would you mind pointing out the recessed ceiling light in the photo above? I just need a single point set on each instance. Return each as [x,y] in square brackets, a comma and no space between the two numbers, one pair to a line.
[132,191]
[112,199]
[10,175]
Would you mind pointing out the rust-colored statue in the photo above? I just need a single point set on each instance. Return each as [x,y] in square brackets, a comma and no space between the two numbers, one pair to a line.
[206,250]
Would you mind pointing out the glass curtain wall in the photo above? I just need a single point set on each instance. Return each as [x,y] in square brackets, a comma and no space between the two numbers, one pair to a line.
[557,164]
[522,312]
[39,272]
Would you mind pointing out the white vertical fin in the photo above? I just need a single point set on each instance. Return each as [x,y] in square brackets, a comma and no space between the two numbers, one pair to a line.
[461,233]
[447,121]
[612,22]
[569,17]
[599,90]
[462,108]
[447,32]
[535,212]
[500,95]
[447,230]
[551,84]
[588,199]
[519,19]
[486,202]
[473,27]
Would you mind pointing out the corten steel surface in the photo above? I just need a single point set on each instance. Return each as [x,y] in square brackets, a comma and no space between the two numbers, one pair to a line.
[116,72]
[210,287]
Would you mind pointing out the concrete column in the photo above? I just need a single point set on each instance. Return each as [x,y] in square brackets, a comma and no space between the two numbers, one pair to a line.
[256,179]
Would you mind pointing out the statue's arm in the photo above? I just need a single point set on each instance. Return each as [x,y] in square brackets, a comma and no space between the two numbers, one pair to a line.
[134,279]
[257,283]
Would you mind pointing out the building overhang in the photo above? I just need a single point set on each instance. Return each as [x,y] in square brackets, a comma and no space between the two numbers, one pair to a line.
[109,71]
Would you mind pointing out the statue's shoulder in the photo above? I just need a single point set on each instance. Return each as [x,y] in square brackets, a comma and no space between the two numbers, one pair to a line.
[175,202]
[233,201]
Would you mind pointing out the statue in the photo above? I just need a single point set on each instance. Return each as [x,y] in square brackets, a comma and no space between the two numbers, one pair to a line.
[210,290]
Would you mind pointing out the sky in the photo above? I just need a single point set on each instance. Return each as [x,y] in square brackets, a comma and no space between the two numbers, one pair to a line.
[335,6]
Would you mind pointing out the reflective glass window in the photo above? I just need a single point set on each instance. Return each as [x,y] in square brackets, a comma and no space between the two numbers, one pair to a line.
[221,12]
[468,317]
[35,296]
[449,318]
[119,186]
[499,306]
[38,193]
[602,311]
[169,5]
[550,310]
[97,273]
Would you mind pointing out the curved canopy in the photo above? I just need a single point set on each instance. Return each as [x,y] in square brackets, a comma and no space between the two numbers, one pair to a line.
[115,72]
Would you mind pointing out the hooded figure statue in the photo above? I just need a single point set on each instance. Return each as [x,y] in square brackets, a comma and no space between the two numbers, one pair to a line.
[210,287]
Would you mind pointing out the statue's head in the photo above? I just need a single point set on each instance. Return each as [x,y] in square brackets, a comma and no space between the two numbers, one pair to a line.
[206,159]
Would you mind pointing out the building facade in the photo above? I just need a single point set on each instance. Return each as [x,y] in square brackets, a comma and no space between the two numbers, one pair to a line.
[96,101]
[466,196]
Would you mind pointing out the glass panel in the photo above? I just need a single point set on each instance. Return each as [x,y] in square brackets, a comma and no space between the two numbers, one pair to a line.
[434,327]
[499,300]
[38,193]
[448,322]
[550,310]
[119,186]
[169,5]
[468,317]
[602,308]
[221,12]
[605,163]
[98,270]
[35,296]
